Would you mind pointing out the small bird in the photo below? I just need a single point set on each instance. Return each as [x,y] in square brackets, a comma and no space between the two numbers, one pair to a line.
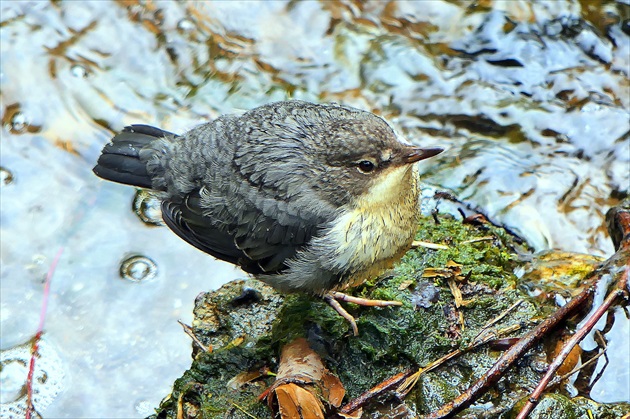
[310,198]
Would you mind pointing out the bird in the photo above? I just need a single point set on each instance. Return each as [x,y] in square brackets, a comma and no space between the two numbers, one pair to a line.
[308,198]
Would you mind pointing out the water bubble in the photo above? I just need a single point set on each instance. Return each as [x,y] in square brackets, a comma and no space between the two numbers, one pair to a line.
[138,268]
[18,122]
[6,177]
[185,25]
[147,207]
[79,71]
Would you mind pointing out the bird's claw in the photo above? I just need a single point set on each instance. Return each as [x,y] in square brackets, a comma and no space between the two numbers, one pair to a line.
[333,298]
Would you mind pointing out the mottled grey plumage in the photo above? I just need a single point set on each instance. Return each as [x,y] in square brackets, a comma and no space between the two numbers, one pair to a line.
[289,191]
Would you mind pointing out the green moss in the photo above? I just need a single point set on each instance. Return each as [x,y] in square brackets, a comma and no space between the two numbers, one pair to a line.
[589,407]
[205,383]
[551,406]
[300,312]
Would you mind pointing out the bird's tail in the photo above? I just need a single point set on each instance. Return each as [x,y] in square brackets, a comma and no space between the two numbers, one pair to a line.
[121,159]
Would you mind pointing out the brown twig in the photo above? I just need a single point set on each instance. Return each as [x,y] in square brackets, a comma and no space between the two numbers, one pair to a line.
[411,381]
[515,352]
[510,357]
[376,391]
[580,334]
[435,246]
[404,382]
[618,220]
[498,318]
[188,330]
[479,239]
[481,339]
[583,366]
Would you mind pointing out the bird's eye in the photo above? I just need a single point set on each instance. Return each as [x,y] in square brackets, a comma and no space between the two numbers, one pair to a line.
[365,166]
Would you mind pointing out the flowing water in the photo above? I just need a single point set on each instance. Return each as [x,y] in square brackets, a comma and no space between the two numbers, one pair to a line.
[531,101]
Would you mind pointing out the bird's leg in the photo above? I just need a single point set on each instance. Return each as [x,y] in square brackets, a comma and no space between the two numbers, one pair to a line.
[363,301]
[330,299]
[334,297]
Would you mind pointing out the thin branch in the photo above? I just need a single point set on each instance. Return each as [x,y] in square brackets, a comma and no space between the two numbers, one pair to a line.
[570,344]
[404,382]
[376,391]
[188,330]
[581,367]
[510,357]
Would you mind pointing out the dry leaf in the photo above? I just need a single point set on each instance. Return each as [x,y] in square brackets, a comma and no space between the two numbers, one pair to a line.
[296,402]
[457,294]
[243,378]
[332,389]
[405,284]
[304,388]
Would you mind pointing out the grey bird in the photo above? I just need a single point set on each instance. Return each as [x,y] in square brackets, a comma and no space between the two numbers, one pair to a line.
[308,198]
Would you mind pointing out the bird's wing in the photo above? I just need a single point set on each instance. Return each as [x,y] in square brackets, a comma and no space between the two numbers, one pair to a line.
[253,202]
[189,224]
[258,239]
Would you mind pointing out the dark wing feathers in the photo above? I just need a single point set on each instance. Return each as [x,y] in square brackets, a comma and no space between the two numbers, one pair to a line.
[252,202]
[199,232]
[258,243]
[276,262]
[148,130]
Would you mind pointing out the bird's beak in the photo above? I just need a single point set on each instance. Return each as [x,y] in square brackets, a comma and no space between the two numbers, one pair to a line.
[414,154]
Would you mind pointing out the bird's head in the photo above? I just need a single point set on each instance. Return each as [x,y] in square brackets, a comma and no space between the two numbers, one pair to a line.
[364,159]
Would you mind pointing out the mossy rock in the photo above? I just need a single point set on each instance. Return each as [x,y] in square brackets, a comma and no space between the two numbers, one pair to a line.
[245,323]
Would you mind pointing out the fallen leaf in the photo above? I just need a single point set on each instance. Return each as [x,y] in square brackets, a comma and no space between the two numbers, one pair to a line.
[296,402]
[304,388]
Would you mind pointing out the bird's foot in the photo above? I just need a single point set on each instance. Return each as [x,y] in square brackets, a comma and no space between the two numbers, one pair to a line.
[334,297]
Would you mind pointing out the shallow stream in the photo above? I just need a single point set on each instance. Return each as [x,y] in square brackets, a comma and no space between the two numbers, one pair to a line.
[531,101]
